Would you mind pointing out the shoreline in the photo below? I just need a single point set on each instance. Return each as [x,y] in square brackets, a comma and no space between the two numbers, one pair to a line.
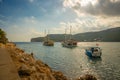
[29,68]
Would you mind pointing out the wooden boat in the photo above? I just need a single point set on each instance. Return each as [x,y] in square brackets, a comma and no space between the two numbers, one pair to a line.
[48,42]
[69,43]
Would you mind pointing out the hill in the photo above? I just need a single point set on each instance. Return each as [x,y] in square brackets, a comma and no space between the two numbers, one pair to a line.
[109,35]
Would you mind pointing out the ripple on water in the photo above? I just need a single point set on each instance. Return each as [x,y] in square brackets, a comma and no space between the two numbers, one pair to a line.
[74,62]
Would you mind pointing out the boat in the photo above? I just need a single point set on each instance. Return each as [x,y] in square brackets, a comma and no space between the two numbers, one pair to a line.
[93,52]
[48,42]
[70,43]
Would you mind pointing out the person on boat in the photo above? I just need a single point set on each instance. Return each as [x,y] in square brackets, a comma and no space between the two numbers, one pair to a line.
[92,49]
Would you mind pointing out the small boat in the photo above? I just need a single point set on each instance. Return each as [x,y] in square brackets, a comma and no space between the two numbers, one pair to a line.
[69,43]
[47,41]
[93,52]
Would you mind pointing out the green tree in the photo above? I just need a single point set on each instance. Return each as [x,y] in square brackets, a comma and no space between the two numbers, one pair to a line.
[3,38]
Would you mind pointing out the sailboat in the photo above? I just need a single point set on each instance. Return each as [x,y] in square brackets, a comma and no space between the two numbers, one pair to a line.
[70,43]
[47,41]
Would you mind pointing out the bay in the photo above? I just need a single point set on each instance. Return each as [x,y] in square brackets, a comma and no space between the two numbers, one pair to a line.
[74,62]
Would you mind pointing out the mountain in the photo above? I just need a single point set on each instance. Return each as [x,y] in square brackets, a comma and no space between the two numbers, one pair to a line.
[109,35]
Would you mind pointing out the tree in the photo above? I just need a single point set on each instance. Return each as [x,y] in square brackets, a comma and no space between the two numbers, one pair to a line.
[3,38]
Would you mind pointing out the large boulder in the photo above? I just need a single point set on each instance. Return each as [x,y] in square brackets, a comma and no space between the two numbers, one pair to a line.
[59,75]
[87,77]
[24,71]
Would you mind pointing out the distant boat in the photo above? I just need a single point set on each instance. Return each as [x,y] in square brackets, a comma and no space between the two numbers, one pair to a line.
[48,42]
[69,43]
[93,52]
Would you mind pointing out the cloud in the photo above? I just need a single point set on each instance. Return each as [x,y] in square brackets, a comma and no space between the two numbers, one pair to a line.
[31,1]
[43,9]
[31,20]
[1,1]
[36,33]
[23,29]
[94,7]
[94,15]
[87,24]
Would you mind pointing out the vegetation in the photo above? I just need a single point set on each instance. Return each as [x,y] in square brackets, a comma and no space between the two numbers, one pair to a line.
[3,38]
[109,35]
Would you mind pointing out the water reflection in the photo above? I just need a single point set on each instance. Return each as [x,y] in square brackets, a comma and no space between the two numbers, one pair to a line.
[94,59]
[74,62]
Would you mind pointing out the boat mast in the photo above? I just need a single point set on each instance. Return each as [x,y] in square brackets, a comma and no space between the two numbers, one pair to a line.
[70,32]
[65,34]
[45,35]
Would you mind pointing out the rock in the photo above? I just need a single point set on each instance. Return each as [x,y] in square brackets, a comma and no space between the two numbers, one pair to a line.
[24,71]
[43,68]
[59,76]
[44,76]
[22,60]
[31,69]
[87,77]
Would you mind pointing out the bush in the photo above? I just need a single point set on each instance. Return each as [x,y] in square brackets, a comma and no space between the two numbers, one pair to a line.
[3,38]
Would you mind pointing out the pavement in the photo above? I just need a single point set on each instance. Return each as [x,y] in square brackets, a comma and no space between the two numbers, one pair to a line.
[8,70]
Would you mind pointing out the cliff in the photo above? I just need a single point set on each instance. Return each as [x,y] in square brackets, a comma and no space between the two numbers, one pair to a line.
[109,35]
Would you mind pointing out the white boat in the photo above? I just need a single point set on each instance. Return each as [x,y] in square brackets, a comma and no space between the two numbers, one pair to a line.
[94,52]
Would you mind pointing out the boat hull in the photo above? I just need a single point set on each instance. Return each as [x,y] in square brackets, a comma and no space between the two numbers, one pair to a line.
[69,46]
[92,53]
[48,43]
[88,53]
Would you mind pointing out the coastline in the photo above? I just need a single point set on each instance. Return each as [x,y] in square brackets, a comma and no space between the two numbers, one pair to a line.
[29,68]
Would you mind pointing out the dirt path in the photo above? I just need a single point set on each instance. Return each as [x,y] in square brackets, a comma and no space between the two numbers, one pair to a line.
[7,67]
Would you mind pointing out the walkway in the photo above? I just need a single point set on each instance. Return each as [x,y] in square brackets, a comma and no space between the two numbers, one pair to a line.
[7,67]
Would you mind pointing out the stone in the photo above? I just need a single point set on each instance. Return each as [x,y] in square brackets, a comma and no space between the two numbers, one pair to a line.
[87,77]
[59,75]
[24,71]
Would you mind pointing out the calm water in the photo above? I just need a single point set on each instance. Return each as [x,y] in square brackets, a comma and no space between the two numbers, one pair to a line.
[74,62]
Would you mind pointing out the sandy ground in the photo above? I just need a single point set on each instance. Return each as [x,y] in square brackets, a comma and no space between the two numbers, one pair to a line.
[7,67]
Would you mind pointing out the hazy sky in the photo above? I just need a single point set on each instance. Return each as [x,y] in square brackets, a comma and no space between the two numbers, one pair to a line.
[24,19]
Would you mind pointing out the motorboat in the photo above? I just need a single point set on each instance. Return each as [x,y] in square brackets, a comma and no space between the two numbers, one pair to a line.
[93,52]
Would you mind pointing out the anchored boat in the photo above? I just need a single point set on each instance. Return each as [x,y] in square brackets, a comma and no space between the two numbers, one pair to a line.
[47,41]
[69,43]
[93,52]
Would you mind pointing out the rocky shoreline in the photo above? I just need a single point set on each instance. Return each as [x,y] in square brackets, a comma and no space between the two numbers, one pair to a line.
[31,69]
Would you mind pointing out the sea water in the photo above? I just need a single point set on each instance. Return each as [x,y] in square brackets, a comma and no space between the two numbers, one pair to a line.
[73,62]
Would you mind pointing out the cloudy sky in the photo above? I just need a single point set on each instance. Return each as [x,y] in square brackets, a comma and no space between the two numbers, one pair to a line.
[24,19]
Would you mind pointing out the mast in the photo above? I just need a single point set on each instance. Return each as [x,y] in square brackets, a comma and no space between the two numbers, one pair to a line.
[65,34]
[70,32]
[45,35]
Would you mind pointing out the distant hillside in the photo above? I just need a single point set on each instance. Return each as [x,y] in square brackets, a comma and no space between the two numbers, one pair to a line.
[109,35]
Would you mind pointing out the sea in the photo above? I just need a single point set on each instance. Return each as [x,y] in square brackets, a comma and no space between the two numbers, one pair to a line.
[73,62]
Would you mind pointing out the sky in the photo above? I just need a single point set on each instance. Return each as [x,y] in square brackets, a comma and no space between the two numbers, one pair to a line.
[26,19]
